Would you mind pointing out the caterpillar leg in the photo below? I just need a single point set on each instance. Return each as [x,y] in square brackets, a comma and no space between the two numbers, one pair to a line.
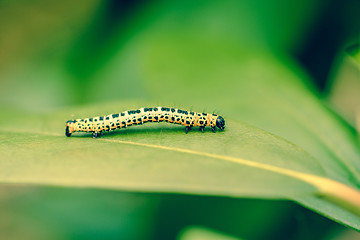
[202,129]
[187,129]
[213,129]
[96,134]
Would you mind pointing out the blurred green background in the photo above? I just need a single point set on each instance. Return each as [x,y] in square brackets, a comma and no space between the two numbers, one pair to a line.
[55,55]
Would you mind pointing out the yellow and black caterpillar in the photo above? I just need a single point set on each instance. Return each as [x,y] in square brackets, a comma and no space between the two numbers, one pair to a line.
[97,125]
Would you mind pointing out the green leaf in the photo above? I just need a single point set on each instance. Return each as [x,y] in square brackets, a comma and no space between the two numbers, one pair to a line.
[242,161]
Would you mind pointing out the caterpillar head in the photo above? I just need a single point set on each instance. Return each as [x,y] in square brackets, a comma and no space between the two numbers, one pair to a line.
[220,123]
[69,128]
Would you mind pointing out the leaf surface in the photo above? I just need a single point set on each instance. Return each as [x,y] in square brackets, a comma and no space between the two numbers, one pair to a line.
[242,161]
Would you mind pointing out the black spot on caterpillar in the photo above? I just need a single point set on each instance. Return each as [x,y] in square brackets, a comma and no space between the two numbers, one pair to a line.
[143,115]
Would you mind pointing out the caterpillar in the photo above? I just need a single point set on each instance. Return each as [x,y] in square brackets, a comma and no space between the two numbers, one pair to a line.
[97,125]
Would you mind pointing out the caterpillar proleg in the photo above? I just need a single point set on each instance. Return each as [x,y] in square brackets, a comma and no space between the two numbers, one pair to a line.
[97,125]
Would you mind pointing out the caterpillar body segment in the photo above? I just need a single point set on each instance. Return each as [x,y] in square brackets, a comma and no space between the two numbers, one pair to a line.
[97,125]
